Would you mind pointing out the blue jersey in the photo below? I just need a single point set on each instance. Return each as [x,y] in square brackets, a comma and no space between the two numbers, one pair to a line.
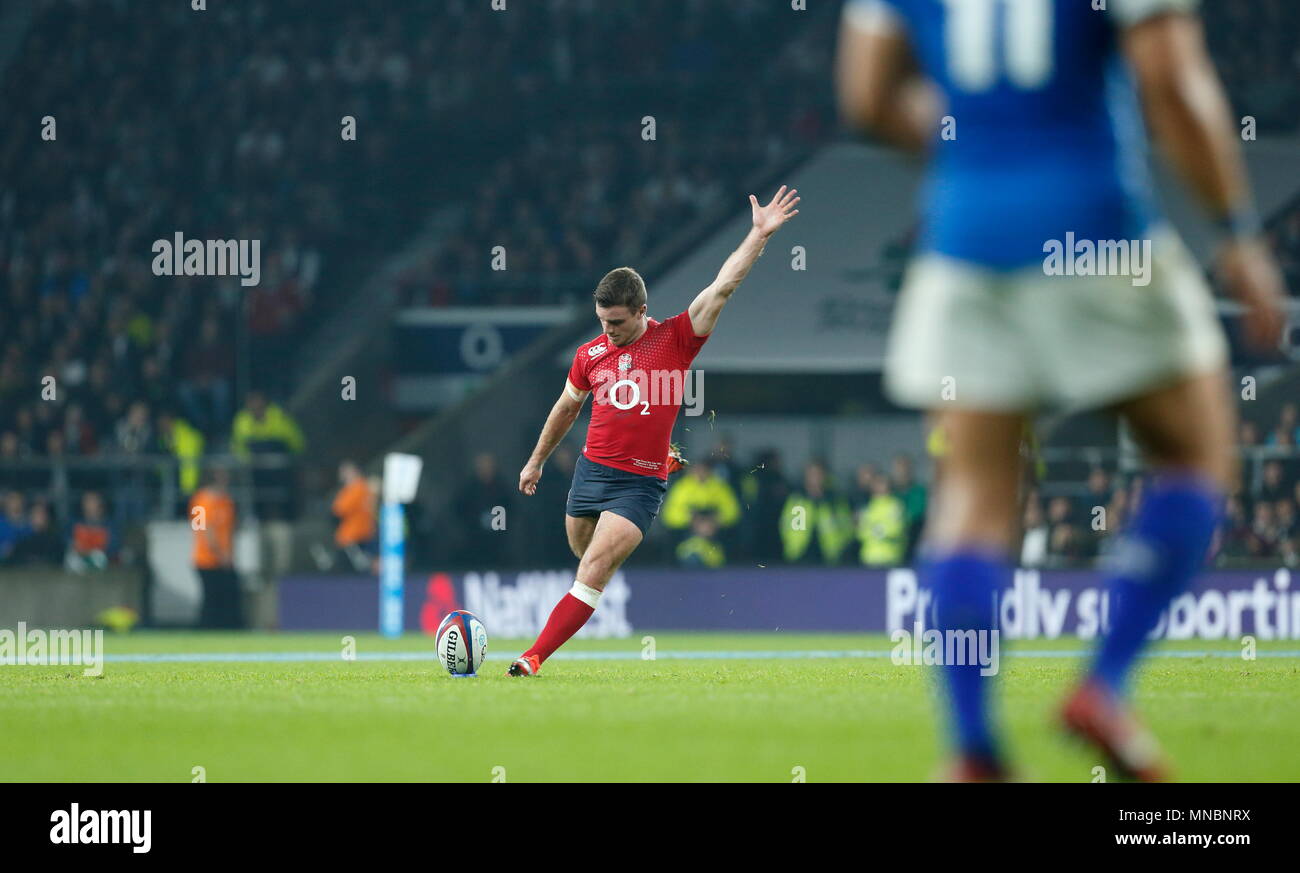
[1043,135]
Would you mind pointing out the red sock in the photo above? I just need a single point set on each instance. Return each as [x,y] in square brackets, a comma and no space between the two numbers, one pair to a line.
[567,618]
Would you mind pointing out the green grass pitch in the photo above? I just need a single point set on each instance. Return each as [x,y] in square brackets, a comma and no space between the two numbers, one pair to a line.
[689,719]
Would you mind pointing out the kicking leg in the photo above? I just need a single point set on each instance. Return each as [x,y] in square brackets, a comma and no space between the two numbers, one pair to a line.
[579,531]
[612,539]
[1186,430]
[965,564]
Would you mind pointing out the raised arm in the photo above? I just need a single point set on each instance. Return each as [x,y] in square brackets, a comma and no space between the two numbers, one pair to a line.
[563,414]
[707,306]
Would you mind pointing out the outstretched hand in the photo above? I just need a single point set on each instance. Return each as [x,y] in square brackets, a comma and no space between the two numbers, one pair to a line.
[768,219]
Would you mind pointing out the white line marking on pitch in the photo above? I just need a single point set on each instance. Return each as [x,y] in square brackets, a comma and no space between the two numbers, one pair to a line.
[661,654]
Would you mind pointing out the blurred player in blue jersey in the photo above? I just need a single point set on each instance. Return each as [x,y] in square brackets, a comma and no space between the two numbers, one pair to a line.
[1044,276]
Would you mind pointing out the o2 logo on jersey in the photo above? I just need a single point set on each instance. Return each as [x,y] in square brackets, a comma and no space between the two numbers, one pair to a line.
[626,394]
[626,388]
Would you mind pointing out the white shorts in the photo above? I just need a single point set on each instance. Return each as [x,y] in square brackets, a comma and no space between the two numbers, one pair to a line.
[967,337]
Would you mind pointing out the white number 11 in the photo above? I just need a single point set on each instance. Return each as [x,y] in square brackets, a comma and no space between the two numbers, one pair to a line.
[1027,41]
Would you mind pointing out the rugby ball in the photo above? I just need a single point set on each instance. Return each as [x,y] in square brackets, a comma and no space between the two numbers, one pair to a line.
[462,643]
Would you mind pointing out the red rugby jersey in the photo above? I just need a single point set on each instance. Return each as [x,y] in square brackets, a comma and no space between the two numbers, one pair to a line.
[636,391]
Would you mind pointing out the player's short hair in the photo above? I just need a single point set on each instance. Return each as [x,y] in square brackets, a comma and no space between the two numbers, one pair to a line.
[621,287]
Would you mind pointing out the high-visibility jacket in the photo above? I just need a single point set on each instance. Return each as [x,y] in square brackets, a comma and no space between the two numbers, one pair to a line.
[185,442]
[882,528]
[702,551]
[827,521]
[276,426]
[688,495]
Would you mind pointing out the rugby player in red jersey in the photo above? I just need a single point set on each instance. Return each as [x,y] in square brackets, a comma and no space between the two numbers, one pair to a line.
[636,368]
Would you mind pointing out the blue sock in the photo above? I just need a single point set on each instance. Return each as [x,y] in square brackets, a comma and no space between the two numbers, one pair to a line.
[1155,561]
[963,584]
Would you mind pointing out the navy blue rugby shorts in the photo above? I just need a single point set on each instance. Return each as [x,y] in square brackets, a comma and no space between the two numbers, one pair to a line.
[598,488]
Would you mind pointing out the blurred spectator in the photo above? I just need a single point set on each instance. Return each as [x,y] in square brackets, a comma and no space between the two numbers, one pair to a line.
[864,486]
[134,434]
[209,369]
[14,525]
[1291,462]
[816,522]
[1098,494]
[1065,544]
[15,471]
[44,544]
[179,438]
[482,509]
[1235,539]
[1264,531]
[354,506]
[1034,545]
[1273,485]
[764,491]
[133,437]
[1288,531]
[913,495]
[701,550]
[882,527]
[700,489]
[94,540]
[264,431]
[262,426]
[1247,434]
[1287,431]
[551,500]
[78,435]
[1117,511]
[212,518]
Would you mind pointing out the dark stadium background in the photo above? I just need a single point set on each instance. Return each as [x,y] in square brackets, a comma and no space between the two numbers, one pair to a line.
[474,131]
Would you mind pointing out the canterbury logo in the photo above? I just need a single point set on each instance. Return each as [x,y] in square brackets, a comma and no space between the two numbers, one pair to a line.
[596,350]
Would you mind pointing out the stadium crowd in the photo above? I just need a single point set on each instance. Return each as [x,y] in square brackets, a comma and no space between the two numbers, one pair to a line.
[75,502]
[101,360]
[720,512]
[592,183]
[1256,50]
[140,364]
[568,202]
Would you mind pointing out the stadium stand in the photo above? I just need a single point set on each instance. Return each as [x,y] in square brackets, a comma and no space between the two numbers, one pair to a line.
[149,373]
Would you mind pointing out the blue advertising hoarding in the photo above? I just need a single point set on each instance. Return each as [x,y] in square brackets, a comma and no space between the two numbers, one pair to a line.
[1040,604]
